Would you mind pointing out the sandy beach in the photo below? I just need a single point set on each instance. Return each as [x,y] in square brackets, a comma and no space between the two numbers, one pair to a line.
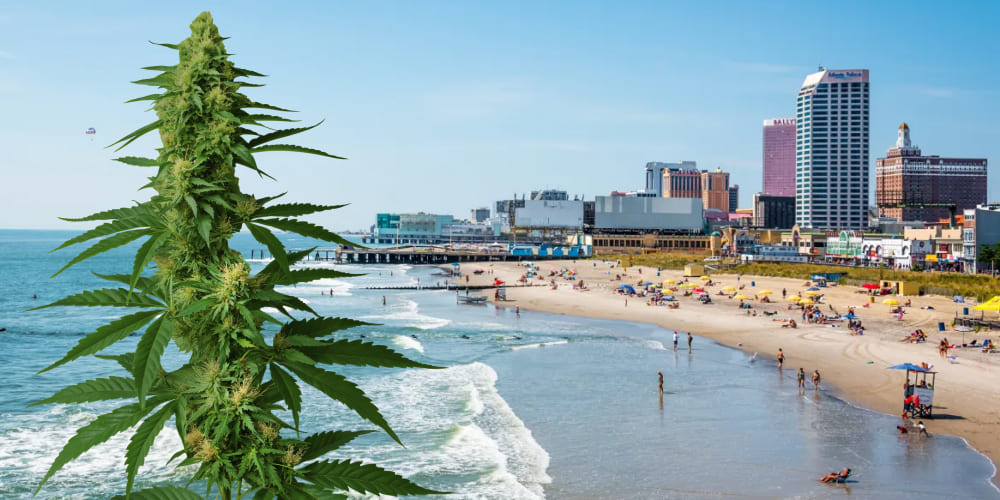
[855,367]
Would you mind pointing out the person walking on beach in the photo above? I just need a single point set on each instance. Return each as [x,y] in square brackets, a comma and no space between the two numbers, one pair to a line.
[922,430]
[801,377]
[690,338]
[815,380]
[660,374]
[781,358]
[784,293]
[675,340]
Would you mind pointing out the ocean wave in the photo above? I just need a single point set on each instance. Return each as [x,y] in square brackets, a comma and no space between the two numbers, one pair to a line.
[31,441]
[407,312]
[539,344]
[457,429]
[405,342]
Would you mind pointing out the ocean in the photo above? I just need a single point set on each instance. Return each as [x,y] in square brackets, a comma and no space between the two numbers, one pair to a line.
[530,406]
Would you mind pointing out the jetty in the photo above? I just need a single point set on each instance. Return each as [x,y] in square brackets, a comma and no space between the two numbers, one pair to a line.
[423,255]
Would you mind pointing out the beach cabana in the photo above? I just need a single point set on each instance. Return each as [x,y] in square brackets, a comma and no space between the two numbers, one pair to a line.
[694,270]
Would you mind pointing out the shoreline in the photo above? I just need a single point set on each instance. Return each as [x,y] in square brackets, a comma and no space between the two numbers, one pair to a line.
[853,367]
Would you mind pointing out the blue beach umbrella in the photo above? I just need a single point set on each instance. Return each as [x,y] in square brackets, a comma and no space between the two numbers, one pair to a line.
[813,289]
[907,366]
[627,288]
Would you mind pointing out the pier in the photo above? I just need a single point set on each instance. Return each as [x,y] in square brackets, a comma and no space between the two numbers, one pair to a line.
[417,255]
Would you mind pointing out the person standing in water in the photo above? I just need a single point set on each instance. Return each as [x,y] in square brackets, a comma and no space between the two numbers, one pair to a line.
[801,377]
[781,358]
[660,374]
[690,338]
[675,340]
[383,300]
[815,380]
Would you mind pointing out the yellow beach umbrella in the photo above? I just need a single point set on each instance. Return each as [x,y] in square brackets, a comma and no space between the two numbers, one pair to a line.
[891,302]
[740,297]
[729,289]
[988,306]
[705,278]
[794,298]
[807,302]
[764,292]
[812,293]
[669,282]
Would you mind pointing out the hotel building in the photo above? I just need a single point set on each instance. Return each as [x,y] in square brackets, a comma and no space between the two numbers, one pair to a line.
[682,181]
[779,157]
[909,185]
[831,150]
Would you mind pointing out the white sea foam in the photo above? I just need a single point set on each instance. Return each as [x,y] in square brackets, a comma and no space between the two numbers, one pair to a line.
[407,313]
[32,440]
[456,427]
[540,344]
[655,345]
[405,342]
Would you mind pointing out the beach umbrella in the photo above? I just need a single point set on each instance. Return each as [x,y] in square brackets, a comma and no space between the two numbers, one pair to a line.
[891,302]
[807,302]
[705,278]
[812,293]
[794,298]
[764,292]
[740,297]
[813,289]
[907,366]
[729,289]
[698,290]
[627,288]
[870,286]
[670,282]
[990,305]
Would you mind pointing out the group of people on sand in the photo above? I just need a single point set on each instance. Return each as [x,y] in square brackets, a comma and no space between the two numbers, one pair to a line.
[916,337]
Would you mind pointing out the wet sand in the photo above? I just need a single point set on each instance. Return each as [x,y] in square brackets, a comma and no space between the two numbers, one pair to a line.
[966,395]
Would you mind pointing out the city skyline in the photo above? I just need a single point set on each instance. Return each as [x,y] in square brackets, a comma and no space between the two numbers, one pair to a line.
[575,96]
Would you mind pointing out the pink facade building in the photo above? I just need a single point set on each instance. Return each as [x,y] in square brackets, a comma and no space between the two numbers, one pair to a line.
[779,157]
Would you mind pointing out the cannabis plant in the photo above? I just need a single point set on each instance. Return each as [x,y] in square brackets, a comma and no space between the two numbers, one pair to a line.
[229,401]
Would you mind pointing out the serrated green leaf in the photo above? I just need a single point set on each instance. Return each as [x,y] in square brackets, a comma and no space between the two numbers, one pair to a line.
[273,244]
[100,389]
[98,431]
[161,493]
[277,300]
[320,327]
[109,243]
[296,276]
[147,355]
[160,68]
[146,285]
[205,228]
[105,297]
[304,228]
[260,105]
[360,477]
[142,441]
[138,211]
[292,210]
[253,119]
[197,306]
[321,443]
[105,336]
[125,360]
[124,218]
[139,132]
[167,45]
[163,80]
[359,353]
[291,148]
[339,388]
[137,161]
[289,390]
[246,72]
[145,254]
[149,97]
[278,134]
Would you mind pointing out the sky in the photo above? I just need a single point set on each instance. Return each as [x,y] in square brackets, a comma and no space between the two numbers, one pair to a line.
[445,106]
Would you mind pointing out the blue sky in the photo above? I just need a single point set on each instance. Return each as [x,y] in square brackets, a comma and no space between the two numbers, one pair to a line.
[444,106]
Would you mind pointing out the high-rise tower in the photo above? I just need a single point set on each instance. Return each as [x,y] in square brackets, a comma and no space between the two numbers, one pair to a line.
[779,157]
[831,150]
